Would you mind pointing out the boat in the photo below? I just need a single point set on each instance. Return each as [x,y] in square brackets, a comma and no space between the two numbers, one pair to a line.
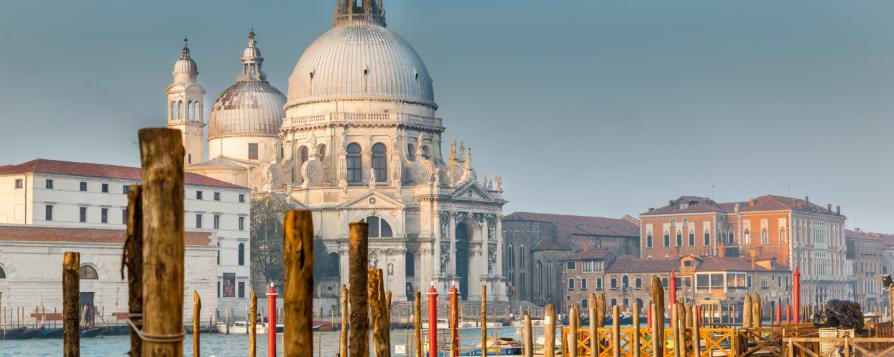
[498,347]
[541,341]
[240,328]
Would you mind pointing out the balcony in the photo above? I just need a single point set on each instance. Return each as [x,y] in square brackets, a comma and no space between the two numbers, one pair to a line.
[341,118]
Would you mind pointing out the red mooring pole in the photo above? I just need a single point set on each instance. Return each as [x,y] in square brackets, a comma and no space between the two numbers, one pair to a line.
[432,321]
[788,314]
[454,344]
[796,295]
[778,314]
[672,284]
[271,321]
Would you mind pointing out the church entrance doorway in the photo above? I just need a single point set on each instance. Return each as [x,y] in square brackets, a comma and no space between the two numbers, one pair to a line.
[462,259]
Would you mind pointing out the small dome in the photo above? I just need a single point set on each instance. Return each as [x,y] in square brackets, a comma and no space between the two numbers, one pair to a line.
[185,69]
[251,106]
[360,60]
[247,108]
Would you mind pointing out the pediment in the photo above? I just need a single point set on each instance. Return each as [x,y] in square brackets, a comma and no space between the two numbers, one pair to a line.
[472,191]
[372,200]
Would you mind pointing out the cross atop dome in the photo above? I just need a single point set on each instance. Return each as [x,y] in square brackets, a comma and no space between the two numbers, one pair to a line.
[348,12]
[252,60]
[184,53]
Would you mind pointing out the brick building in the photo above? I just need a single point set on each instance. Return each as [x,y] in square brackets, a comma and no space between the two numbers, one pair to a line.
[793,232]
[627,279]
[537,244]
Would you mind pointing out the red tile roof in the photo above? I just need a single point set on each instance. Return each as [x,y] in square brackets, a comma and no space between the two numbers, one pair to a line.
[83,235]
[581,225]
[595,254]
[695,204]
[851,234]
[630,264]
[69,168]
[690,204]
[775,203]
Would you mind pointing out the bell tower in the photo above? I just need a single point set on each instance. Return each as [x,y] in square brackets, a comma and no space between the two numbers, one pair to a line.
[351,11]
[185,106]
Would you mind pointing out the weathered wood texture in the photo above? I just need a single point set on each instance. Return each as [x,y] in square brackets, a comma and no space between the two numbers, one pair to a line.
[343,334]
[658,317]
[196,312]
[71,292]
[483,320]
[549,333]
[252,324]
[358,262]
[161,157]
[528,337]
[591,309]
[417,323]
[298,257]
[616,331]
[377,312]
[635,342]
[133,261]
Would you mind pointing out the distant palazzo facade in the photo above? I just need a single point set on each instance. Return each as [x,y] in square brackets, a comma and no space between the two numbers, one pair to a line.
[793,232]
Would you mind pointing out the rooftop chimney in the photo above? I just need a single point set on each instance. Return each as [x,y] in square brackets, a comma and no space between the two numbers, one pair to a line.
[807,198]
[837,209]
[736,208]
[829,207]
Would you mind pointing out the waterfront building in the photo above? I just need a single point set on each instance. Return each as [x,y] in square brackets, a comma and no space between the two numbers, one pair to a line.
[87,199]
[536,245]
[628,279]
[793,232]
[866,253]
[356,138]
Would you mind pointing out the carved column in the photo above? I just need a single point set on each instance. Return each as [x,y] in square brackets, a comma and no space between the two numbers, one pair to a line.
[498,237]
[436,246]
[451,233]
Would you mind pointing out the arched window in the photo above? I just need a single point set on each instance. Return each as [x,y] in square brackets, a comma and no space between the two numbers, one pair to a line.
[679,240]
[425,153]
[625,282]
[378,228]
[730,237]
[539,277]
[747,236]
[765,236]
[380,162]
[321,151]
[241,253]
[2,273]
[707,239]
[179,109]
[782,235]
[89,272]
[188,110]
[173,110]
[302,158]
[667,239]
[411,152]
[355,164]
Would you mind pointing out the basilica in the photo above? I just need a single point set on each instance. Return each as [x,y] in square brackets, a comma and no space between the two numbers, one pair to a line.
[356,138]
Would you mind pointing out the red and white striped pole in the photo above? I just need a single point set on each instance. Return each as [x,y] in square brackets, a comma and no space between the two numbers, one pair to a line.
[796,295]
[271,321]
[432,321]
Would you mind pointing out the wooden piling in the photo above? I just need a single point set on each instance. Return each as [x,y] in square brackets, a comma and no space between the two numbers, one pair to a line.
[357,264]
[376,304]
[675,329]
[635,341]
[133,261]
[253,324]
[564,341]
[747,310]
[343,334]
[483,320]
[600,310]
[594,332]
[196,312]
[757,312]
[387,319]
[71,292]
[696,332]
[616,331]
[161,157]
[298,258]
[417,323]
[658,328]
[528,337]
[573,325]
[549,332]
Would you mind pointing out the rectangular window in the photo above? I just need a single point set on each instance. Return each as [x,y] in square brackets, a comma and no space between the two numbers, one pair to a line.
[49,184]
[104,215]
[198,220]
[105,188]
[83,186]
[241,198]
[570,284]
[229,284]
[216,221]
[679,240]
[569,266]
[19,183]
[667,239]
[707,239]
[218,289]
[614,302]
[583,284]
[649,240]
[599,283]
[639,283]
[691,239]
[241,289]
[198,195]
[241,223]
[613,283]
[124,216]
[83,215]
[125,189]
[252,151]
[217,196]
[48,213]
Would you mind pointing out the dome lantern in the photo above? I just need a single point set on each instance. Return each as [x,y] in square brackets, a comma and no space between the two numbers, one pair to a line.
[347,12]
[185,69]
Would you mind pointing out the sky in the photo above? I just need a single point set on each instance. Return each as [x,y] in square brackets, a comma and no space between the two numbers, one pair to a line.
[584,107]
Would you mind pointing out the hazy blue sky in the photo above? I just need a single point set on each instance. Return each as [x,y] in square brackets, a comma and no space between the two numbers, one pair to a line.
[585,107]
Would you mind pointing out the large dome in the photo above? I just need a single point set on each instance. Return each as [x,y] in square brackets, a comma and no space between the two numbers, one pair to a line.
[251,106]
[360,60]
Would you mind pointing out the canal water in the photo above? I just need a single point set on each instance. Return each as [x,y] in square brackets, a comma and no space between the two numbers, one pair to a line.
[219,345]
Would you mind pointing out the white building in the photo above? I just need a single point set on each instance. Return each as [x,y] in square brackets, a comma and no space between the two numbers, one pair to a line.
[358,138]
[60,194]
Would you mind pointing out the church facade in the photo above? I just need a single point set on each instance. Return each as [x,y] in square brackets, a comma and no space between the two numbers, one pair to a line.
[356,138]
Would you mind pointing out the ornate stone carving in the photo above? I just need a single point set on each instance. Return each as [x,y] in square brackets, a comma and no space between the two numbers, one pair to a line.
[445,224]
[491,227]
[445,256]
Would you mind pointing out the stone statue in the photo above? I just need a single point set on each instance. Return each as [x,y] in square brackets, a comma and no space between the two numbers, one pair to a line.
[498,181]
[484,182]
[372,178]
